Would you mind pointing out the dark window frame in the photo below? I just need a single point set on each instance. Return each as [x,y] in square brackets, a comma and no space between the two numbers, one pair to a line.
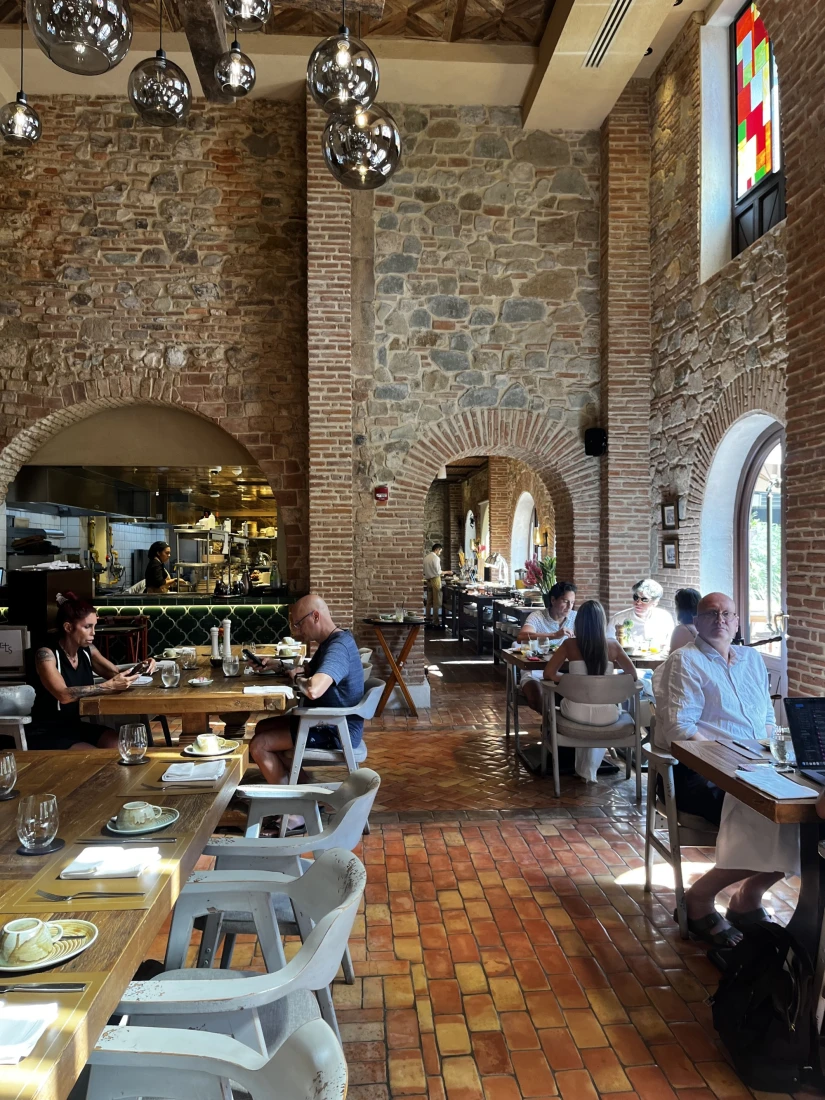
[764,205]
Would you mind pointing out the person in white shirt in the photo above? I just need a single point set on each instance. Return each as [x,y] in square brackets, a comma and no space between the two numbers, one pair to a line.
[432,577]
[499,574]
[650,625]
[712,690]
[555,622]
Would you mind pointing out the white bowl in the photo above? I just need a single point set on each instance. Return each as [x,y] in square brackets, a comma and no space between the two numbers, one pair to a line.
[200,682]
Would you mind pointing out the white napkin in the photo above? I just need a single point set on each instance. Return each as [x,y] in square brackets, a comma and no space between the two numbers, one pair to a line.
[274,689]
[20,1028]
[142,681]
[111,863]
[185,773]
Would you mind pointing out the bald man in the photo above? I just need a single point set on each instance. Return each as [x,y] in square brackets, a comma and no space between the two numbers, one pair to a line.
[333,678]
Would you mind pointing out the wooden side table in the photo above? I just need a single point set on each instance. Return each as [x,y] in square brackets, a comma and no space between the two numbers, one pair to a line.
[396,664]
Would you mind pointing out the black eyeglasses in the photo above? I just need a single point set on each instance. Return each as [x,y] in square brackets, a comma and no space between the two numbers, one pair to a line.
[723,616]
[642,599]
[294,624]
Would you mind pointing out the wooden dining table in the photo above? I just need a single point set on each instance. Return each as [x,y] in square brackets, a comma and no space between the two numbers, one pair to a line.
[90,788]
[194,705]
[396,677]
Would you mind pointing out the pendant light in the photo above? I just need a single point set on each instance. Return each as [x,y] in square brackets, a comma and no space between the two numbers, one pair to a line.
[159,89]
[362,150]
[86,37]
[342,72]
[20,123]
[235,72]
[247,15]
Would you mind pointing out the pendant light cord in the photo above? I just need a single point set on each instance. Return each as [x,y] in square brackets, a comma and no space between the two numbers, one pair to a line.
[22,18]
[160,46]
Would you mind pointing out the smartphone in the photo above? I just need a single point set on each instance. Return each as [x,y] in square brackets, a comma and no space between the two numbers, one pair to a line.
[138,669]
[253,657]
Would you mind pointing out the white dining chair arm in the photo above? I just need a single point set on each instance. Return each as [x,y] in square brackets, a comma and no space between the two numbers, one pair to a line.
[322,712]
[659,756]
[263,848]
[277,792]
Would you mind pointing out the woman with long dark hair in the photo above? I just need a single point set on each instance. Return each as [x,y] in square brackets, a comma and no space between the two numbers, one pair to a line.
[158,580]
[590,653]
[65,670]
[687,607]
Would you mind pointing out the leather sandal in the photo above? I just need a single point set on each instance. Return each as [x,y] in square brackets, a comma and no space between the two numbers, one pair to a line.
[702,929]
[744,920]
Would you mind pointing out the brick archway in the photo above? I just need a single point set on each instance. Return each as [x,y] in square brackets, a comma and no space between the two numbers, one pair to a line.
[81,400]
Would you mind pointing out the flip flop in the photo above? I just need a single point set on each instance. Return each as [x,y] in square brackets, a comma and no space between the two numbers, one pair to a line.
[702,929]
[744,920]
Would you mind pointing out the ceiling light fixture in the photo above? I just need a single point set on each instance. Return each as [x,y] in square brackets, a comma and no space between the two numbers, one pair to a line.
[235,72]
[362,150]
[20,123]
[159,89]
[247,15]
[342,72]
[86,37]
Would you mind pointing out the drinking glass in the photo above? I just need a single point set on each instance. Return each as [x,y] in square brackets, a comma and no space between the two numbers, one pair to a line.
[231,666]
[782,747]
[37,821]
[399,614]
[170,674]
[8,773]
[132,743]
[189,657]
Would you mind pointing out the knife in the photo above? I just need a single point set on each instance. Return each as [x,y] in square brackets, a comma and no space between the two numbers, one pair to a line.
[149,842]
[45,987]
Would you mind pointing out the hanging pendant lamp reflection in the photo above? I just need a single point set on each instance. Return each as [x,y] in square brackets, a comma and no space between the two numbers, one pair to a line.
[247,15]
[235,72]
[19,122]
[86,37]
[362,150]
[159,89]
[342,72]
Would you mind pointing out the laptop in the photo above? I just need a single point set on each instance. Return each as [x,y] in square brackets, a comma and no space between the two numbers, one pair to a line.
[806,719]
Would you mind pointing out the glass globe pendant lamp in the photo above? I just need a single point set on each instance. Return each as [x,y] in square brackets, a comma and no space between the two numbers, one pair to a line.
[247,15]
[362,150]
[159,89]
[86,37]
[20,123]
[235,72]
[342,73]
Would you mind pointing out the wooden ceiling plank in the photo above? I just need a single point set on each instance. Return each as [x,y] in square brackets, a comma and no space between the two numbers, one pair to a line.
[204,24]
[373,8]
[456,24]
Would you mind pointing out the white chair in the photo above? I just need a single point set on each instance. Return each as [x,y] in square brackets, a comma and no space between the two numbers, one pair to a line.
[187,1065]
[323,902]
[16,702]
[682,828]
[557,730]
[337,717]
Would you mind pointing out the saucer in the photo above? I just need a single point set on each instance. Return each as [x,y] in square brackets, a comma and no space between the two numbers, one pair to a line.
[167,818]
[226,748]
[62,950]
[200,682]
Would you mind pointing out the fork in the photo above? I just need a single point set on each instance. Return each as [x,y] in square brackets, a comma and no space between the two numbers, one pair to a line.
[89,894]
[200,786]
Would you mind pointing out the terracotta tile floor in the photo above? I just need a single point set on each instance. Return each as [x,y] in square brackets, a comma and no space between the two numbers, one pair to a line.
[506,948]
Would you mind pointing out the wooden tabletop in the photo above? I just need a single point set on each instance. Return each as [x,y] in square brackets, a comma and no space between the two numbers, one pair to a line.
[535,664]
[90,788]
[719,763]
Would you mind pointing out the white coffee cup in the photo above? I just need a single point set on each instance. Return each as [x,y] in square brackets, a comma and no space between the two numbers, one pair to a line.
[208,742]
[134,814]
[172,653]
[28,940]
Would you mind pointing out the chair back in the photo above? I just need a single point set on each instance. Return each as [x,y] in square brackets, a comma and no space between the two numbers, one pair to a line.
[351,805]
[373,690]
[596,689]
[16,700]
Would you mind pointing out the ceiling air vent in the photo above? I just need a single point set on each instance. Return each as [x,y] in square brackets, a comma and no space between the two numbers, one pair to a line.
[607,33]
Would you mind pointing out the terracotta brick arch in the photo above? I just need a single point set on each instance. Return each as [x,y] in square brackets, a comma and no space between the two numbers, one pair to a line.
[83,399]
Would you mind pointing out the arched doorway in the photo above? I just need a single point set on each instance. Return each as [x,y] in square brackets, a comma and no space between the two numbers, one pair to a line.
[759,567]
[469,535]
[521,541]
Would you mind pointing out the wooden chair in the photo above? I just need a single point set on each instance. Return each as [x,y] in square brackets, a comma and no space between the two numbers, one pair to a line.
[16,702]
[682,828]
[188,1065]
[557,730]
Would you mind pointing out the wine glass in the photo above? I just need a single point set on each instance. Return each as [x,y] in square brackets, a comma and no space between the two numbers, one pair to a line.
[8,774]
[231,666]
[37,822]
[132,743]
[170,674]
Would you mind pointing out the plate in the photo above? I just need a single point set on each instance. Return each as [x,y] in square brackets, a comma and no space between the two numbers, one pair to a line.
[200,682]
[61,951]
[142,682]
[224,750]
[167,818]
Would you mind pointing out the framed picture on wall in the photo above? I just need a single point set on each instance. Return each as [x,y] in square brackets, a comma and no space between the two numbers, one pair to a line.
[670,515]
[670,553]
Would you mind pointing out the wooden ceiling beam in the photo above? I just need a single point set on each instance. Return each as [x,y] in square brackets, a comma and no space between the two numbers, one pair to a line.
[373,8]
[205,27]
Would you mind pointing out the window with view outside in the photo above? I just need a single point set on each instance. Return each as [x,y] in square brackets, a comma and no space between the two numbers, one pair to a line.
[765,552]
[757,114]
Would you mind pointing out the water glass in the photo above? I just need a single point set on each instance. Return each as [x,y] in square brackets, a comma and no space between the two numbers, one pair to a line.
[782,747]
[132,742]
[399,614]
[231,666]
[8,773]
[189,657]
[170,674]
[37,821]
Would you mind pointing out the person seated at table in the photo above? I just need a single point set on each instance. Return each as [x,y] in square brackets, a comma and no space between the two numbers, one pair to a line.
[555,622]
[64,672]
[650,625]
[711,690]
[687,604]
[334,677]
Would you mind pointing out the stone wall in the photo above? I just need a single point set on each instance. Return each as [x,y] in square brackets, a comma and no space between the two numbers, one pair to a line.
[143,265]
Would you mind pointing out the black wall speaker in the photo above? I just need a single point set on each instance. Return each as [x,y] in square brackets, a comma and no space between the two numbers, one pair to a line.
[595,441]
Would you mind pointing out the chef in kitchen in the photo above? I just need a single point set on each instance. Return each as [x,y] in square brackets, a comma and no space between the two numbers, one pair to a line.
[157,576]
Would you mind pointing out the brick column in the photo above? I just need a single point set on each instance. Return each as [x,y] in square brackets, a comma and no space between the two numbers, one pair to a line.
[453,516]
[500,518]
[329,335]
[625,344]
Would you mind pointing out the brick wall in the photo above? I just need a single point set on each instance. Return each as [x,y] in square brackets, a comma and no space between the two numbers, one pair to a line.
[437,517]
[168,266]
[625,332]
[509,479]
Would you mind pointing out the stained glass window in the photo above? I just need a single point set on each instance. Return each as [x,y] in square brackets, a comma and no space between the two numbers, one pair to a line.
[757,114]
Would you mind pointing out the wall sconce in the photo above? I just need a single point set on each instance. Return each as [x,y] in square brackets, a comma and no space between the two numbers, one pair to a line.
[536,536]
[442,474]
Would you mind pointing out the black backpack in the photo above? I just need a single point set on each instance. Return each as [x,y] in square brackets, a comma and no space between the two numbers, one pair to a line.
[764,1010]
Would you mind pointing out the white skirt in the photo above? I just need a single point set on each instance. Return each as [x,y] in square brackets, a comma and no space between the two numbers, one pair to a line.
[750,842]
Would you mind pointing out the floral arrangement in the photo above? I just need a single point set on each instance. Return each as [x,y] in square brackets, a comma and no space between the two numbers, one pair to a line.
[540,574]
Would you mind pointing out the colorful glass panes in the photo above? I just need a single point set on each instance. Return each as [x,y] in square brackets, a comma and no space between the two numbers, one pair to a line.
[755,102]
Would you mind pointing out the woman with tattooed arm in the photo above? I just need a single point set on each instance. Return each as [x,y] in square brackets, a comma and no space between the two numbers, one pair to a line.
[64,674]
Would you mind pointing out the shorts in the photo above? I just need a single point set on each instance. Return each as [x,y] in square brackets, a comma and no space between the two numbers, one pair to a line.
[63,735]
[320,737]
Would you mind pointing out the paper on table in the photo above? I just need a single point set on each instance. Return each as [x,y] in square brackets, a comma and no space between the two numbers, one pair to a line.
[185,773]
[111,863]
[20,1028]
[274,689]
[777,786]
